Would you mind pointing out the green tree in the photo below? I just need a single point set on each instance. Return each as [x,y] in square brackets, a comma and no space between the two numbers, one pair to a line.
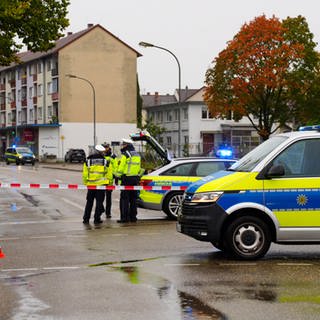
[266,73]
[34,23]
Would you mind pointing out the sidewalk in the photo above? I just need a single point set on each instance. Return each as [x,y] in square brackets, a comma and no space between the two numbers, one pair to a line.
[62,166]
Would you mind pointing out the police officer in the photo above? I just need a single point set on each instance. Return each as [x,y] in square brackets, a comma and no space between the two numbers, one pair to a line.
[95,173]
[128,171]
[111,158]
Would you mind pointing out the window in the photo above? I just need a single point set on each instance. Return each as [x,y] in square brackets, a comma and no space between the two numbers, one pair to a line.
[19,95]
[49,87]
[30,92]
[186,139]
[169,141]
[301,159]
[55,84]
[205,168]
[39,67]
[206,114]
[31,115]
[40,90]
[185,113]
[49,111]
[40,113]
[176,114]
[179,170]
[169,116]
[49,65]
[159,116]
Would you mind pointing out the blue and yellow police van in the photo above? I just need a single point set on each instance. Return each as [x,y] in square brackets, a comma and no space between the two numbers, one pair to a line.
[272,194]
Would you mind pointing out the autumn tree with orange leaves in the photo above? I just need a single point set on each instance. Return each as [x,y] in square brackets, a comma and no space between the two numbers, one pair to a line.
[268,73]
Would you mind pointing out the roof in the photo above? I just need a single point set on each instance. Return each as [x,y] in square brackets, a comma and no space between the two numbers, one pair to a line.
[61,43]
[152,100]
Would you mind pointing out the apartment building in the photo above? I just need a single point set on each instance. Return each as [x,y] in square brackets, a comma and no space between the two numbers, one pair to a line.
[43,107]
[200,133]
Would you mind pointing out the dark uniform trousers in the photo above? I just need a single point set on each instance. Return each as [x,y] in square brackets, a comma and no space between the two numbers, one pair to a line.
[108,202]
[128,199]
[93,194]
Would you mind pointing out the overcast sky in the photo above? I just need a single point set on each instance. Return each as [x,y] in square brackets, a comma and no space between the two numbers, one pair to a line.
[194,30]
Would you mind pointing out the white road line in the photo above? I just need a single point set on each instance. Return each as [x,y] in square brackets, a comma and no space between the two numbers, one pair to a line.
[294,264]
[43,237]
[58,180]
[237,264]
[26,222]
[181,264]
[21,269]
[8,239]
[119,234]
[73,203]
[148,233]
[61,268]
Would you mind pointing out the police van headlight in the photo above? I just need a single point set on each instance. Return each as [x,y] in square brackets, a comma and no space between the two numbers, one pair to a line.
[203,197]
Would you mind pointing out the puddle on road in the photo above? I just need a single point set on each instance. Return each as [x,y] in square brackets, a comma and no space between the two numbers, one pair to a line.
[178,302]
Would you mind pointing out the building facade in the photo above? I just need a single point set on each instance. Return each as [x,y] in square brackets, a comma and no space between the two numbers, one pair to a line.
[56,100]
[200,133]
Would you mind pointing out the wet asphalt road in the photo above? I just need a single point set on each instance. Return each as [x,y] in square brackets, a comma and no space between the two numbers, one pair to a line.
[56,268]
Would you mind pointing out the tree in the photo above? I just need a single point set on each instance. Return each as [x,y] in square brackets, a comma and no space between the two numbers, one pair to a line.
[35,23]
[263,73]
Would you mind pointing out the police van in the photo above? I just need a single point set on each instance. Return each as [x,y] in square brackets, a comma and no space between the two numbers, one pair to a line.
[272,194]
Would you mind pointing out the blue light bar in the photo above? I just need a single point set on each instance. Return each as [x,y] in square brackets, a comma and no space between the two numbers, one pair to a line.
[310,128]
[224,153]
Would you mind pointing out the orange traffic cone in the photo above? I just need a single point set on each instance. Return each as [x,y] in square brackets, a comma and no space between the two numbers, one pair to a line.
[2,255]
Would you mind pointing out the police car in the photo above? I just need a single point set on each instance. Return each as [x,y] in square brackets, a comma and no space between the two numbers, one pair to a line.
[272,194]
[19,155]
[177,172]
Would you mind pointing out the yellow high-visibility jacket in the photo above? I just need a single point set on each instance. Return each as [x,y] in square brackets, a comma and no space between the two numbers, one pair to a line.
[130,164]
[96,170]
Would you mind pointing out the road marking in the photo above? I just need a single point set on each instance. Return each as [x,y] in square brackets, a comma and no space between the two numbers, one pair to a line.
[7,239]
[60,268]
[181,264]
[26,222]
[43,237]
[119,234]
[294,264]
[237,264]
[58,180]
[72,203]
[148,233]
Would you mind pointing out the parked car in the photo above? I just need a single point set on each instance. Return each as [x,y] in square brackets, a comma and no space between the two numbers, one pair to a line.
[75,155]
[19,155]
[179,172]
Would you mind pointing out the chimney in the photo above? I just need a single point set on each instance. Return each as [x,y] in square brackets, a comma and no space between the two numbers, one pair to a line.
[90,25]
[156,98]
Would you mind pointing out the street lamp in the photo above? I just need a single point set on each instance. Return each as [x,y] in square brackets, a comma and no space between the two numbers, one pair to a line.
[94,103]
[147,45]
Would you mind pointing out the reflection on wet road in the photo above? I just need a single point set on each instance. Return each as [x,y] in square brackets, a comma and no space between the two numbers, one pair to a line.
[186,306]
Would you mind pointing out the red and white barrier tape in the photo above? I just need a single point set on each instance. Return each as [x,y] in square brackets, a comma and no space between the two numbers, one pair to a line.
[82,187]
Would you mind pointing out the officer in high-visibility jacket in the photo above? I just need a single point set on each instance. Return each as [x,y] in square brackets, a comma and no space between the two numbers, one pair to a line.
[112,159]
[95,173]
[128,171]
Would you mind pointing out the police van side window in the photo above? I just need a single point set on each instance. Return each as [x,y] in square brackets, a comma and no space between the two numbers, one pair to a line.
[301,159]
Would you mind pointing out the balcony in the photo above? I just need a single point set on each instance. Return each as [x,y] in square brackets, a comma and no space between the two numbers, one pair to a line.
[3,106]
[12,83]
[35,77]
[2,86]
[24,81]
[13,104]
[55,96]
[24,103]
[34,100]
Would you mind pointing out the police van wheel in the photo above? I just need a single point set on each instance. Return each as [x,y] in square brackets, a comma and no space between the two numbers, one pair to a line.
[171,204]
[247,238]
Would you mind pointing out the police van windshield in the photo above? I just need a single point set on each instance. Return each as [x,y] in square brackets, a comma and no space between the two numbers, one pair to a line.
[23,150]
[250,160]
